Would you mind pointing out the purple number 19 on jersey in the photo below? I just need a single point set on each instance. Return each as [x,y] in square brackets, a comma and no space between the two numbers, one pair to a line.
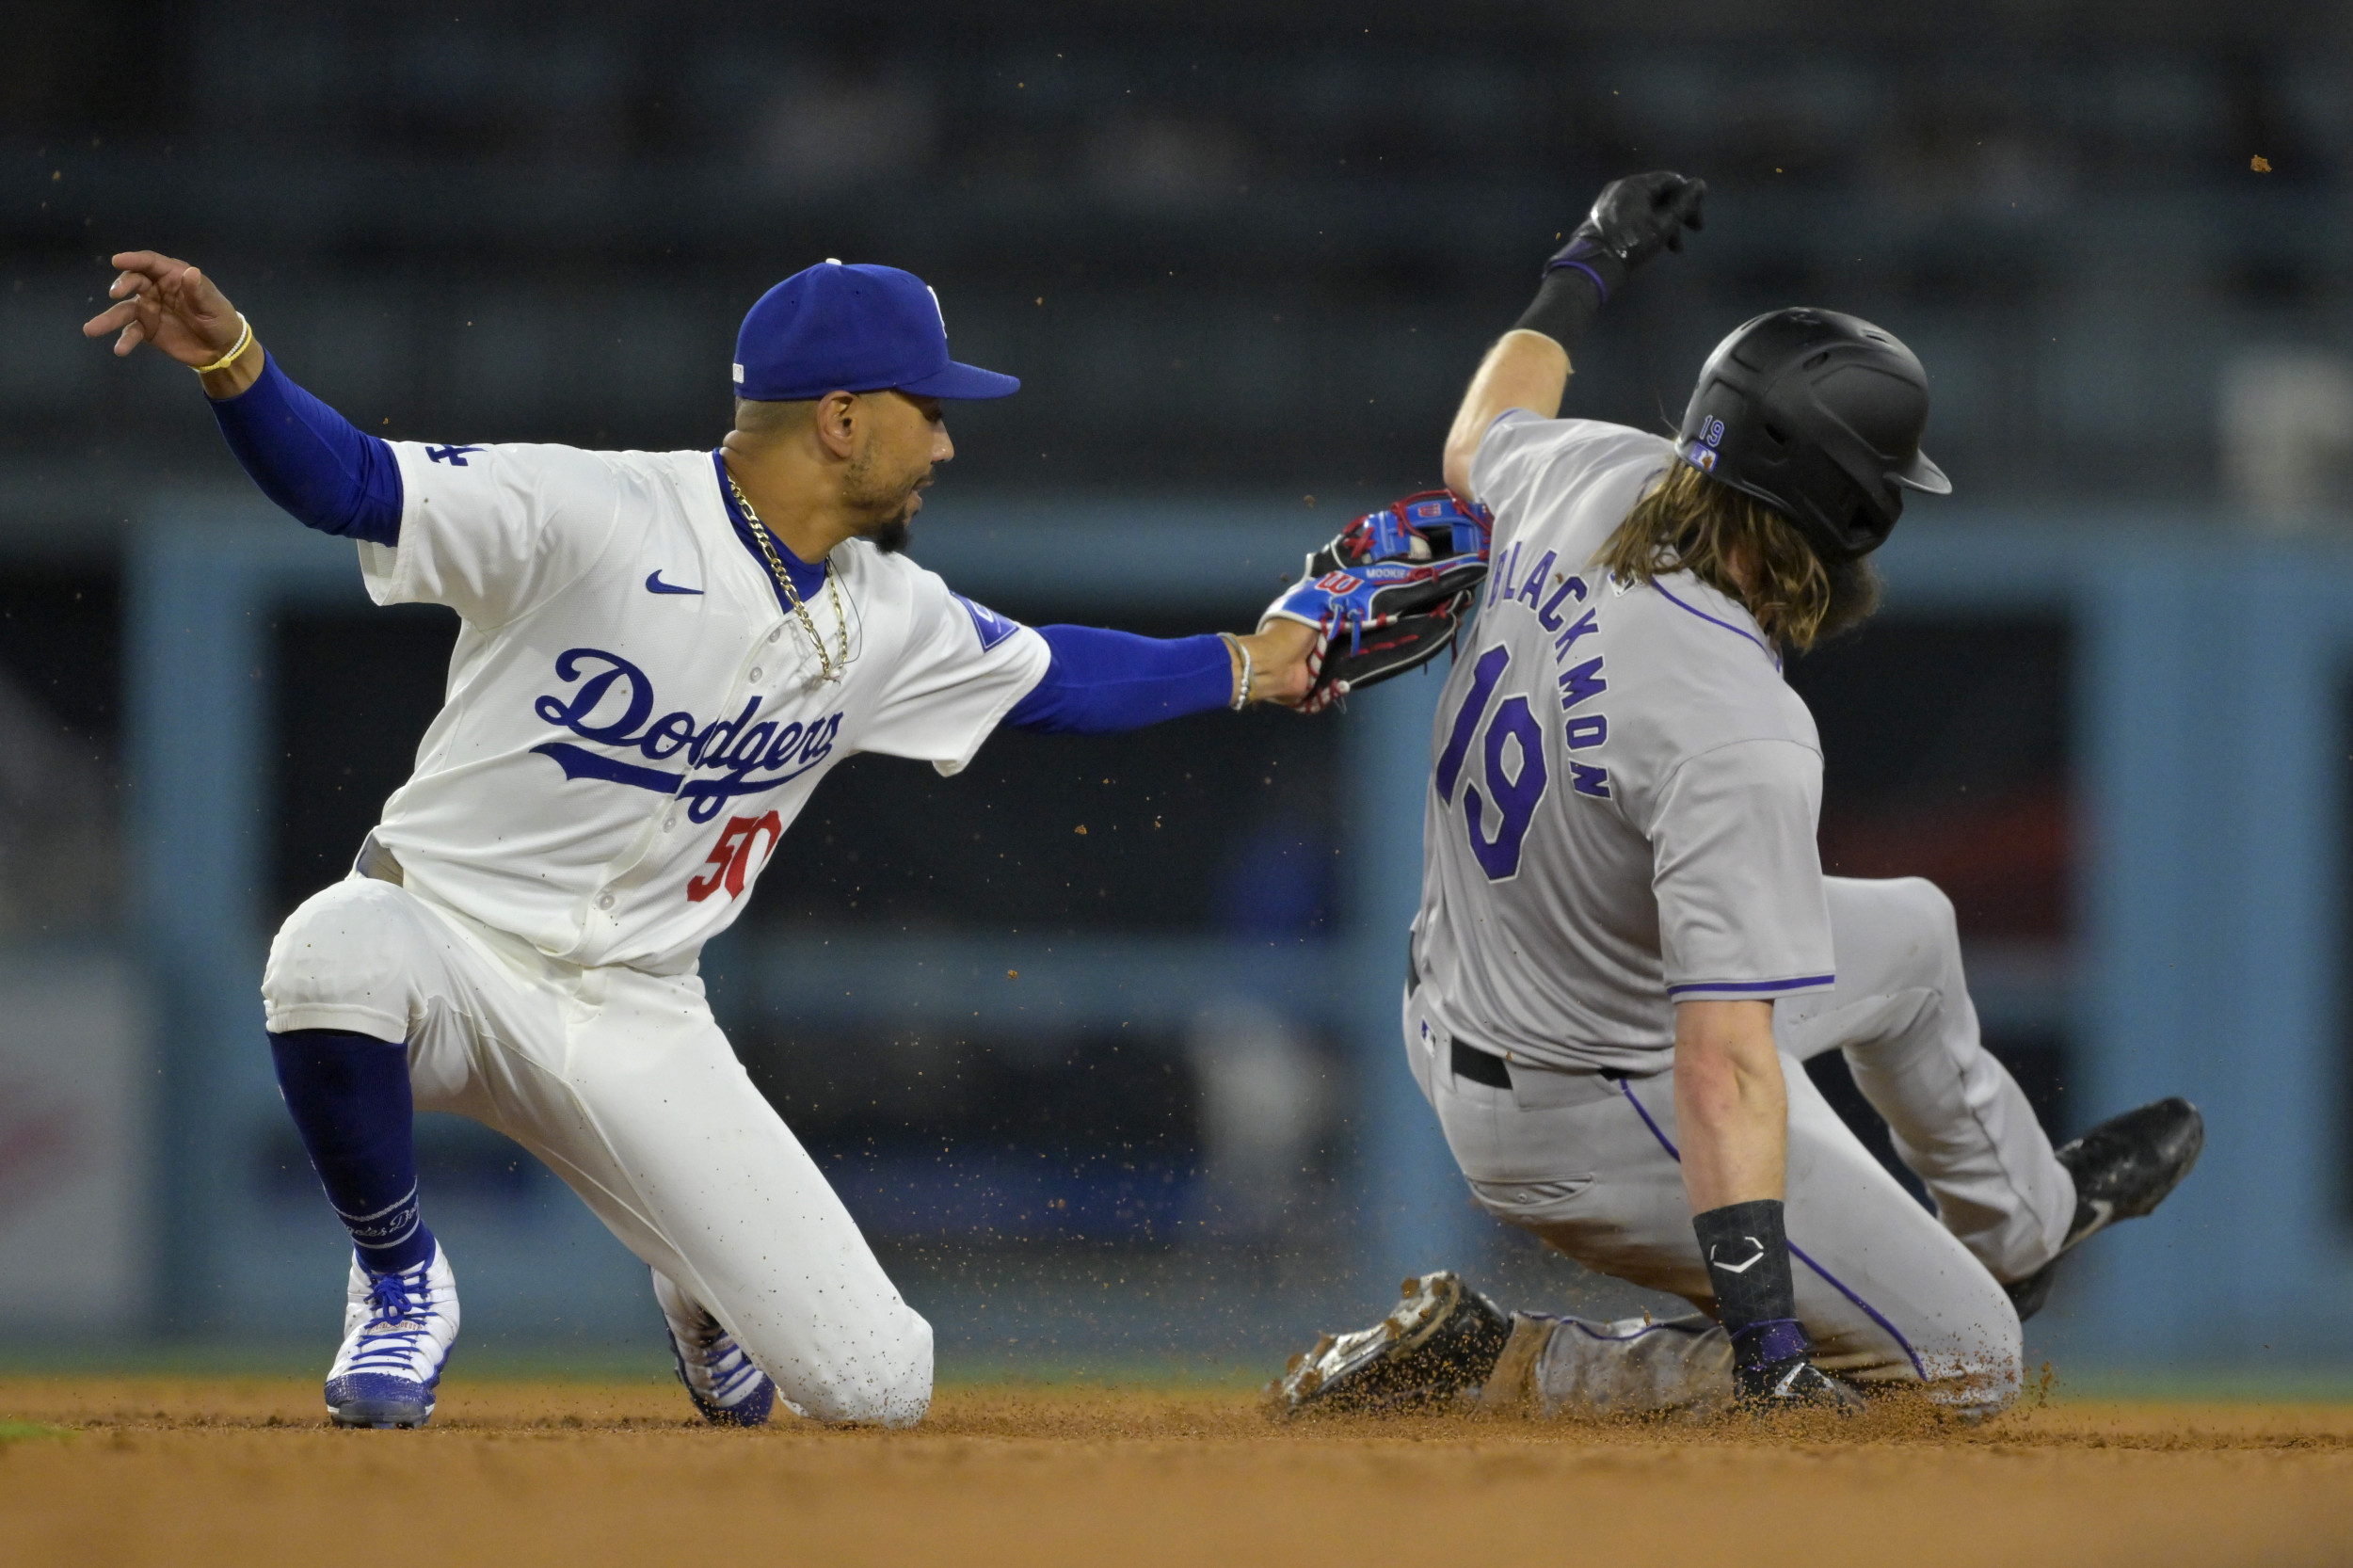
[1516,795]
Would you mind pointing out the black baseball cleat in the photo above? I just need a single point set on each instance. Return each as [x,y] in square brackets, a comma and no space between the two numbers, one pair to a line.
[1442,1339]
[1796,1384]
[2123,1168]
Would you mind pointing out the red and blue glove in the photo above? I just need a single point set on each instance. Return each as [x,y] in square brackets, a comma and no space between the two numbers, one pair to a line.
[1424,526]
[1389,593]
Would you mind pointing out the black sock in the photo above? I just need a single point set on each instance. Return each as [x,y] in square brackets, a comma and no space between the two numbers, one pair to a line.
[349,1095]
[1747,1255]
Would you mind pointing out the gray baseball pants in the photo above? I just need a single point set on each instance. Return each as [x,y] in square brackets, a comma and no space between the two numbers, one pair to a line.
[1890,1291]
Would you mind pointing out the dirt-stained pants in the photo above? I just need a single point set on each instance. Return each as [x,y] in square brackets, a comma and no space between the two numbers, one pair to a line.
[1888,1290]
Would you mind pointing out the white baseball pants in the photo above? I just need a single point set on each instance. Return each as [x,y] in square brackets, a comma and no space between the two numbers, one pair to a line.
[621,1082]
[1889,1292]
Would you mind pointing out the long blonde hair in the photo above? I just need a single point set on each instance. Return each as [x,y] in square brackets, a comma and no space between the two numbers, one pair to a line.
[1690,522]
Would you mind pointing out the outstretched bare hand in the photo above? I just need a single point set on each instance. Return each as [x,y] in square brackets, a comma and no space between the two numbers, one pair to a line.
[1279,656]
[170,304]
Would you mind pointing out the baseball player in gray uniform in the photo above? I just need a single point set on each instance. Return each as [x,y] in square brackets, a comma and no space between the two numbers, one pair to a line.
[658,655]
[1626,945]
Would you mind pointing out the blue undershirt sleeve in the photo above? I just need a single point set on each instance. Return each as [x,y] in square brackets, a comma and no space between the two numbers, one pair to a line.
[325,471]
[1101,682]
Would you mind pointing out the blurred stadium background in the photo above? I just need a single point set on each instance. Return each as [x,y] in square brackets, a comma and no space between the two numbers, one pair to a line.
[1244,258]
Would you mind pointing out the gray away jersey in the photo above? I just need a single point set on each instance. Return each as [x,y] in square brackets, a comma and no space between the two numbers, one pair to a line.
[1622,811]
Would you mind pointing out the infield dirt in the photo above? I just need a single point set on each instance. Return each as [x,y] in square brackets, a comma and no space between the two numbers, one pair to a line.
[198,1471]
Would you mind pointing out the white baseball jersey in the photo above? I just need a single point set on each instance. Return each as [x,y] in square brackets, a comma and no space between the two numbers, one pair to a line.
[633,719]
[1623,809]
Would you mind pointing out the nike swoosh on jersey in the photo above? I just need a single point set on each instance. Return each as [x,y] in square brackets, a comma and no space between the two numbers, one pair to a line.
[655,586]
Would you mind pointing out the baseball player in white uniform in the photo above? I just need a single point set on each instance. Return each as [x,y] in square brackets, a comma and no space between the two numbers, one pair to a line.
[1627,946]
[658,656]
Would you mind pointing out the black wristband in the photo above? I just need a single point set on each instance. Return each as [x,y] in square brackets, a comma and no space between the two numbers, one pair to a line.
[1571,293]
[1747,1256]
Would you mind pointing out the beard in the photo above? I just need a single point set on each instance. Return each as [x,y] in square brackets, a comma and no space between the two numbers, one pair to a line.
[889,508]
[1854,595]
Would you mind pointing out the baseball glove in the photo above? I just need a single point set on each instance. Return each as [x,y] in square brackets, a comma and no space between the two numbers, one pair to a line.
[1424,525]
[1381,596]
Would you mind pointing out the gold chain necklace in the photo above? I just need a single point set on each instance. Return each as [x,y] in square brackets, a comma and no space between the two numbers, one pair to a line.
[776,564]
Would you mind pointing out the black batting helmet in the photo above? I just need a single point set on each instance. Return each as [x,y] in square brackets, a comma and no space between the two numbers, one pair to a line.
[1818,415]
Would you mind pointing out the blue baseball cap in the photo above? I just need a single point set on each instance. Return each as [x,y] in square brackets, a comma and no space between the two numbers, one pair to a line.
[856,327]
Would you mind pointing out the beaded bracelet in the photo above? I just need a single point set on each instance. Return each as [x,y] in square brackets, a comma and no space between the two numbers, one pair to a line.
[1249,673]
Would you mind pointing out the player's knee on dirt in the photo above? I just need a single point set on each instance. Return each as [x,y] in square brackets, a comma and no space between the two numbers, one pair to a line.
[344,959]
[886,1383]
[1989,1388]
[1979,1369]
[904,1398]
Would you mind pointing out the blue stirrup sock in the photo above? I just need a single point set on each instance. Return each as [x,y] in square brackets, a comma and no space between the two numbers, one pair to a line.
[349,1095]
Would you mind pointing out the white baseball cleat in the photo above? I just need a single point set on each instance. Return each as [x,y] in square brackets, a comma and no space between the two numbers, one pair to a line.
[719,1377]
[399,1329]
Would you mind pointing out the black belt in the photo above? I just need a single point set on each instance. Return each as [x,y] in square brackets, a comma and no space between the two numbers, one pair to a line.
[1478,1066]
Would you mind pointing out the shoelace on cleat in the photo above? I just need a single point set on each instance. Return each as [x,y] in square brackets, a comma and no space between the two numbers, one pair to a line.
[721,1360]
[399,1311]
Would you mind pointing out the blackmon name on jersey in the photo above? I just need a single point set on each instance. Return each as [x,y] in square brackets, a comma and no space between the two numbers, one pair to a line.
[1622,802]
[1516,792]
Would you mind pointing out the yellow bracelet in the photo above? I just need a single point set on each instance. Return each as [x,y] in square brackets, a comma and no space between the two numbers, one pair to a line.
[245,341]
